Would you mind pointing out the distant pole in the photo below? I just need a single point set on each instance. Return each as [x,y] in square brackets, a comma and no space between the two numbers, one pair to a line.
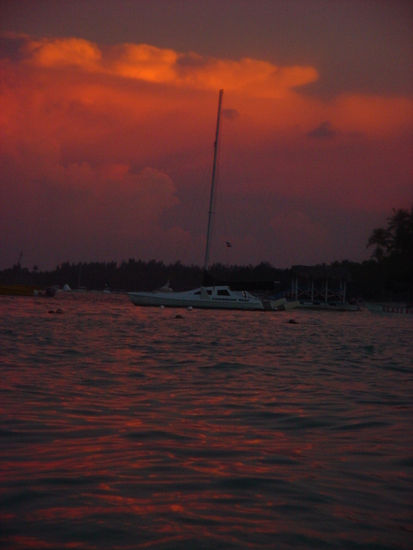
[212,192]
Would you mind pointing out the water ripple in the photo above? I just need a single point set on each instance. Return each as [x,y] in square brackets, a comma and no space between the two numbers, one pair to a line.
[124,428]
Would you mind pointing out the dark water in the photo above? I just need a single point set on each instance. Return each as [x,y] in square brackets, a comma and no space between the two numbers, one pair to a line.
[128,428]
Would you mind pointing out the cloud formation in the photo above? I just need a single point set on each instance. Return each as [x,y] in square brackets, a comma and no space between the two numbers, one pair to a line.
[161,65]
[323,131]
[106,154]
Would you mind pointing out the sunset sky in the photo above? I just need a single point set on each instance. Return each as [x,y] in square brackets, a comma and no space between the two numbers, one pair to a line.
[107,122]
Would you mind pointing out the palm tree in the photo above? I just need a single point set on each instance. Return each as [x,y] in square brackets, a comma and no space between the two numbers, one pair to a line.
[396,239]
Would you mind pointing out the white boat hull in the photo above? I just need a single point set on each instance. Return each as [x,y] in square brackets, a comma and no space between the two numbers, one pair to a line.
[206,298]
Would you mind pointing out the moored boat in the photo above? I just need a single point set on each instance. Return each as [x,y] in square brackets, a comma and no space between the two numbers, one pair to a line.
[215,297]
[208,296]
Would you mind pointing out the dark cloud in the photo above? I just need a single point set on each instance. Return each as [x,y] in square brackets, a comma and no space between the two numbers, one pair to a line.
[230,114]
[323,131]
[11,46]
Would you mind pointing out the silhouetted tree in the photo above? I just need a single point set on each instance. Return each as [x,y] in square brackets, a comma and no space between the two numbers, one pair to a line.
[394,252]
[396,239]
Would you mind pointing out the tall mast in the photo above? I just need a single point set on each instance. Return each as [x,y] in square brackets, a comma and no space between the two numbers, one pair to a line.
[211,196]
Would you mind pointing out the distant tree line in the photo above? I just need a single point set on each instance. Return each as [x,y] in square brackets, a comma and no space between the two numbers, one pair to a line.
[388,275]
[136,275]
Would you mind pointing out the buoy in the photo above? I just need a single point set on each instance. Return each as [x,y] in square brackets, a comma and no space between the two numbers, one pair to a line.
[178,316]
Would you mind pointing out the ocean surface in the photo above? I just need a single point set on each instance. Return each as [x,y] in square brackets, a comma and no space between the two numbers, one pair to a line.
[129,428]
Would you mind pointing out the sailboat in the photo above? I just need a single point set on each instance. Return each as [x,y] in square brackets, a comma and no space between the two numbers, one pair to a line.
[218,296]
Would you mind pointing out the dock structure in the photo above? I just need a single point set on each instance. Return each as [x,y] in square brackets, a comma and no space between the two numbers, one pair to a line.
[319,284]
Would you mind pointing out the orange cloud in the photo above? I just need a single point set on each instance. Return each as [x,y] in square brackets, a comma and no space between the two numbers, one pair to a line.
[249,76]
[64,52]
[151,64]
[143,62]
[251,84]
